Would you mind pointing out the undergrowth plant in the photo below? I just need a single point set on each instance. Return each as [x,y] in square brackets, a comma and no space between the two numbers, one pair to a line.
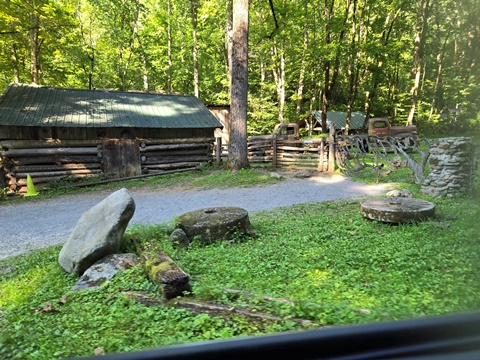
[321,262]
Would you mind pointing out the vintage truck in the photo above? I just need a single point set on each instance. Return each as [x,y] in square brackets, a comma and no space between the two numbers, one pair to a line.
[381,127]
[283,131]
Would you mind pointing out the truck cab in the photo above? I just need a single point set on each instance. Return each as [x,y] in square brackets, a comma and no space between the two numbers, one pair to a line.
[288,131]
[381,127]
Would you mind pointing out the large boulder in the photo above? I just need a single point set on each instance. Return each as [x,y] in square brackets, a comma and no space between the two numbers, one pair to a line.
[98,233]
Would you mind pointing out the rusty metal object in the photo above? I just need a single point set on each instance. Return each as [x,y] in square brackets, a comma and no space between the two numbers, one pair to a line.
[397,210]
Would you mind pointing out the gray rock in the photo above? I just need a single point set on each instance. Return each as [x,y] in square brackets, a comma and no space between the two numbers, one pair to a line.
[105,269]
[276,175]
[400,193]
[303,174]
[98,233]
[179,239]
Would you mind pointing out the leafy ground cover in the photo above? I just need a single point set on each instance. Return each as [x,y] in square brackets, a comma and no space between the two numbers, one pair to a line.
[320,262]
[208,177]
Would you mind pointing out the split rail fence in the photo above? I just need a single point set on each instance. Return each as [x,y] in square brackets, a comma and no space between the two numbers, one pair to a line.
[318,154]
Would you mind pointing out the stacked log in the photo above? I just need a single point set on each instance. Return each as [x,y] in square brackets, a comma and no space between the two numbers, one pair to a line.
[173,154]
[49,160]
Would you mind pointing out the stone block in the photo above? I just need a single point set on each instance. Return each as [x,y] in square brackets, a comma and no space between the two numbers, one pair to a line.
[98,233]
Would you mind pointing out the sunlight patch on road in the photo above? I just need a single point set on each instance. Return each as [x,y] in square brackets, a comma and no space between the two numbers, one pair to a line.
[330,179]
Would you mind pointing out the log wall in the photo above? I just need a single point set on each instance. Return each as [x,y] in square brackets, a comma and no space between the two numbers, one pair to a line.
[51,160]
[48,161]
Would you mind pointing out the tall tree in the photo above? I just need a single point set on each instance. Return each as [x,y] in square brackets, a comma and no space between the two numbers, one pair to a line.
[237,151]
[421,28]
[194,6]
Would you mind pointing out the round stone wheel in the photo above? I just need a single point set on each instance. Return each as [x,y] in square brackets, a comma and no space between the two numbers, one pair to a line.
[211,224]
[397,210]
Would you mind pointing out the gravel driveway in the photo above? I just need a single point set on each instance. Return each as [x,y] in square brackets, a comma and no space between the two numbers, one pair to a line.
[39,223]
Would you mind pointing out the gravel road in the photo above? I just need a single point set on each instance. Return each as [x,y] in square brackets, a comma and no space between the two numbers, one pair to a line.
[39,223]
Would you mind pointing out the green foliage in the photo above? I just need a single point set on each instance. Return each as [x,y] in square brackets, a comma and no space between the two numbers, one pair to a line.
[124,45]
[334,266]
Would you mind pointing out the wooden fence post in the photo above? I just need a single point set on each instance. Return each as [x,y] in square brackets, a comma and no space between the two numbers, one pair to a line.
[218,150]
[331,152]
[321,155]
[274,148]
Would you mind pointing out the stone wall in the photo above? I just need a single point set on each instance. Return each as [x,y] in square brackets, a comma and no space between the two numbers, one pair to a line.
[452,167]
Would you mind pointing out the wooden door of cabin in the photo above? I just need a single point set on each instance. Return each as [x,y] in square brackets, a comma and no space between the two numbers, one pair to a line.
[121,158]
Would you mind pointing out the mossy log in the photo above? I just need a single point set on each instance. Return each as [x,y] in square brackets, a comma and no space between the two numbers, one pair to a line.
[164,272]
[197,308]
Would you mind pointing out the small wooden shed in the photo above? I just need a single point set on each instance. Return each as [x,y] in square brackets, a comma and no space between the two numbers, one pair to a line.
[53,133]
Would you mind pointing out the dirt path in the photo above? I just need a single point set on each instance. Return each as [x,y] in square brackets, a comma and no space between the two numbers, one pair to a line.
[40,223]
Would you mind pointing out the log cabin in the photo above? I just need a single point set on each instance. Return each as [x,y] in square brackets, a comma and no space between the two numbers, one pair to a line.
[55,133]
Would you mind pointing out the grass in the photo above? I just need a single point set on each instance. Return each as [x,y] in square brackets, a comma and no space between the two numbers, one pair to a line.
[208,177]
[335,267]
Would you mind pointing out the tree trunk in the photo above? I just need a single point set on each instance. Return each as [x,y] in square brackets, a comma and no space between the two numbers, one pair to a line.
[169,47]
[228,43]
[301,77]
[35,45]
[237,152]
[330,79]
[279,75]
[377,74]
[16,76]
[423,9]
[353,69]
[195,48]
[437,99]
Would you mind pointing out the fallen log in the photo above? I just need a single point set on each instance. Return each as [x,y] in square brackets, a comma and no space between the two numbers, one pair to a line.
[250,295]
[222,310]
[164,272]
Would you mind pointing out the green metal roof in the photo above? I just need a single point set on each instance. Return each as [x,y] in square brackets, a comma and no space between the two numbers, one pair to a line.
[29,105]
[339,119]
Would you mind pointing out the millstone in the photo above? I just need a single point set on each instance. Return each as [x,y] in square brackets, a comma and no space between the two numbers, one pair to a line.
[211,224]
[397,210]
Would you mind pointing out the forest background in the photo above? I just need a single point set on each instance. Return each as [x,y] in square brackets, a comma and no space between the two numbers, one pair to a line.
[415,61]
